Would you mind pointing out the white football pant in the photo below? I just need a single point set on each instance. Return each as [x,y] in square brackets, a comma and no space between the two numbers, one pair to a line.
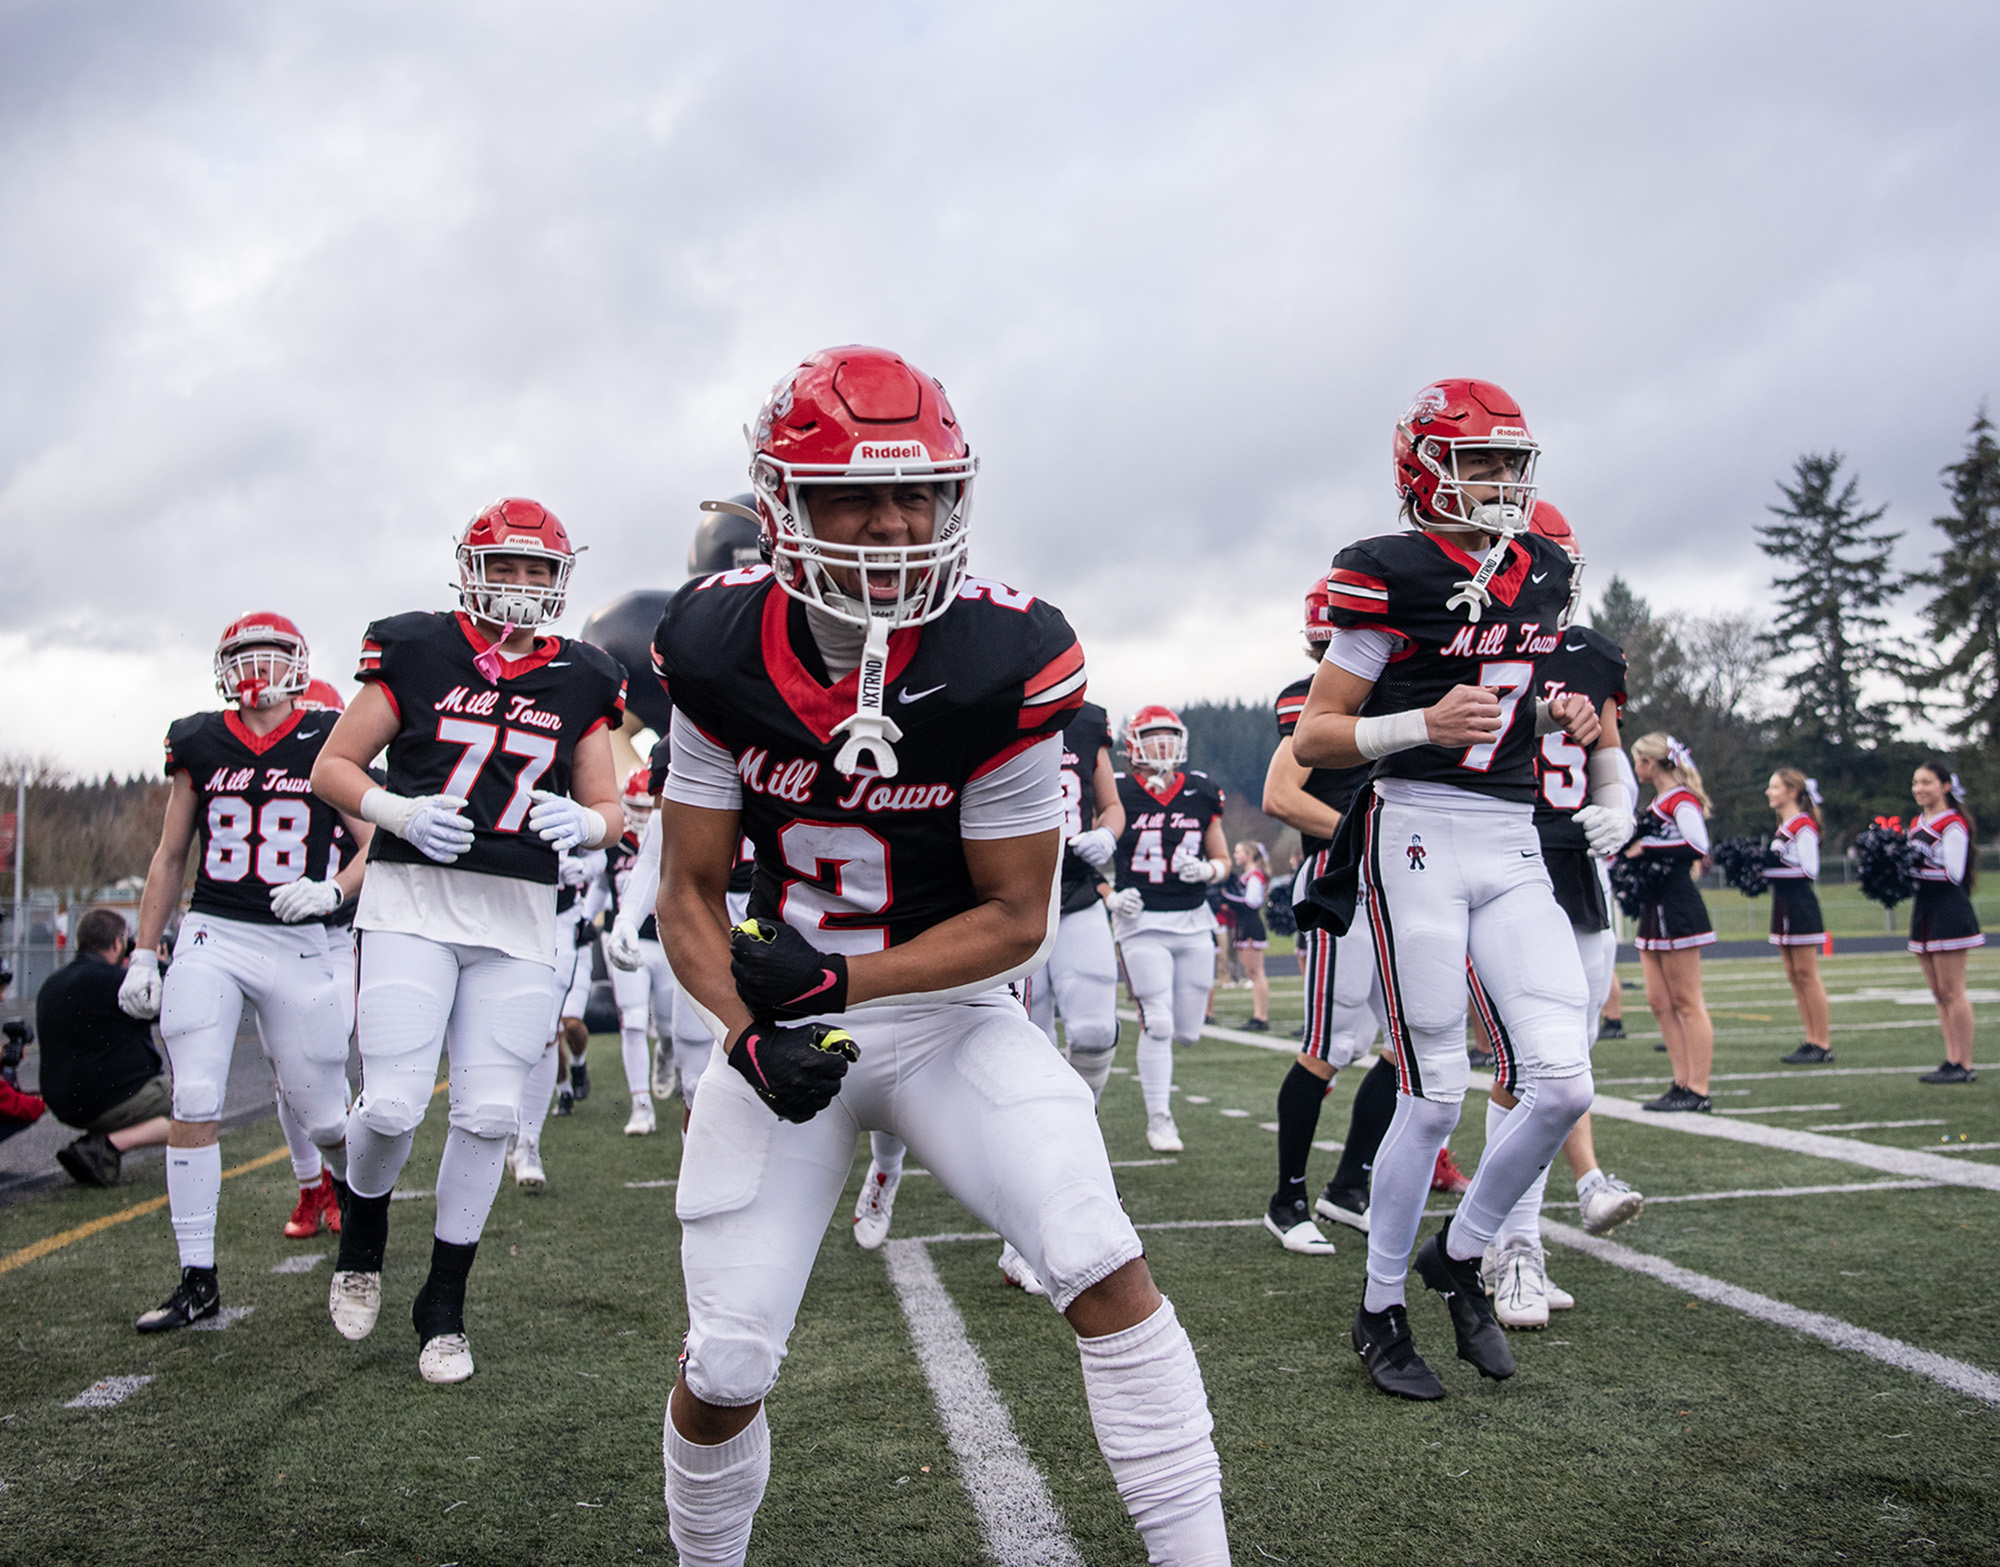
[645,1004]
[1170,968]
[1080,981]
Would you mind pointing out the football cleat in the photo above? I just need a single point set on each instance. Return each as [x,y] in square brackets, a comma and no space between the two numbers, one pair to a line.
[1950,1072]
[526,1161]
[1344,1207]
[1609,1205]
[354,1302]
[1559,1299]
[1513,1275]
[1611,1028]
[316,1206]
[1481,1340]
[1446,1176]
[1162,1136]
[1382,1340]
[565,1101]
[642,1122]
[1256,1025]
[579,1079]
[1292,1223]
[666,1077]
[446,1358]
[1808,1054]
[1480,1058]
[195,1299]
[1015,1270]
[874,1207]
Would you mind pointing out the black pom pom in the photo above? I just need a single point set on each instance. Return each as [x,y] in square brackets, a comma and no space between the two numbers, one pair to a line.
[1886,863]
[1743,862]
[1639,881]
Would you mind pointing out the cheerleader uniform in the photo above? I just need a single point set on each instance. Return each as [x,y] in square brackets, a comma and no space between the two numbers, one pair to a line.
[1243,899]
[1675,919]
[1942,918]
[1795,917]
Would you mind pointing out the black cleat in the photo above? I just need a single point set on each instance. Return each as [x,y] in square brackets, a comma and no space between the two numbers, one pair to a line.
[565,1101]
[1611,1028]
[1382,1340]
[1344,1207]
[1481,1339]
[579,1081]
[1950,1072]
[91,1160]
[196,1298]
[1808,1054]
[1482,1060]
[1678,1100]
[1256,1025]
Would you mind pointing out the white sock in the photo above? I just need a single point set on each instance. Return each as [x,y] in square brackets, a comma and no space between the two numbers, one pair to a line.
[194,1186]
[1519,1154]
[1156,1073]
[1524,1219]
[638,1062]
[713,1493]
[468,1180]
[306,1163]
[885,1151]
[1150,1411]
[536,1096]
[1589,1181]
[1398,1191]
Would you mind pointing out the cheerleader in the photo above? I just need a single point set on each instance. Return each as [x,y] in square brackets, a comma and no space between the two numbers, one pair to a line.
[1943,925]
[1674,926]
[1243,901]
[1797,930]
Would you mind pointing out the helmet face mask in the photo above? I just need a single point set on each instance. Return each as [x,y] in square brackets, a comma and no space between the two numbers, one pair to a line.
[1155,739]
[521,530]
[261,660]
[1464,458]
[1554,526]
[637,801]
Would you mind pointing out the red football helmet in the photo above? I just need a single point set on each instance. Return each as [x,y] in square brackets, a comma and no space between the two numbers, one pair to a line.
[1319,612]
[261,660]
[1554,526]
[514,527]
[1155,738]
[1447,421]
[322,698]
[862,415]
[637,798]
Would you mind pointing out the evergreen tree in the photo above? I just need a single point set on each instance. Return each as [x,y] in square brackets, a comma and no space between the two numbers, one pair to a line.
[1830,604]
[1964,611]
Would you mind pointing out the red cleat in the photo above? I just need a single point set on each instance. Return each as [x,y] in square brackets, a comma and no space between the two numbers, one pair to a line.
[316,1204]
[1448,1177]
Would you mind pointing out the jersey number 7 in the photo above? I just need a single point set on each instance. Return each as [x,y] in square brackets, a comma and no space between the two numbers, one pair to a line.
[479,741]
[1508,681]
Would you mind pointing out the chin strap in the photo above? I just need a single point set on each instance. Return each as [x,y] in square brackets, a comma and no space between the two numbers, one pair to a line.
[492,663]
[868,729]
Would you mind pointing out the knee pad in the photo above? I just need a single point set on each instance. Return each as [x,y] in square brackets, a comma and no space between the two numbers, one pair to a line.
[386,1114]
[1093,1066]
[486,1120]
[1085,1238]
[1564,1096]
[633,1019]
[731,1363]
[1092,1036]
[197,1097]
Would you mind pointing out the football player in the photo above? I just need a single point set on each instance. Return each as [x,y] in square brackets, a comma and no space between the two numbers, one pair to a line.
[640,976]
[1430,673]
[576,872]
[885,729]
[267,876]
[1583,812]
[499,759]
[1171,852]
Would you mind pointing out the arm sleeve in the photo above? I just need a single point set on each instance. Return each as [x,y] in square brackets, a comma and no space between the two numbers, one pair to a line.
[642,885]
[1805,851]
[1255,887]
[1361,650]
[1952,846]
[1694,828]
[1023,795]
[702,773]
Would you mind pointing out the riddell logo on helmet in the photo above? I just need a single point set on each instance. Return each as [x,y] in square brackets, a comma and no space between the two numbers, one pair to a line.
[890,451]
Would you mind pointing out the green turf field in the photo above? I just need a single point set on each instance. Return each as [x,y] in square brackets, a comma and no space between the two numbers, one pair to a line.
[1652,1423]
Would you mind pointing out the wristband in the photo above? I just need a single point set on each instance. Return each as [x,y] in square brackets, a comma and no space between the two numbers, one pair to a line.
[1546,722]
[144,958]
[1378,737]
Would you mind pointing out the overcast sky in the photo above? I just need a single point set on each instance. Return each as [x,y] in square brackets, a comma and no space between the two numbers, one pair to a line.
[290,291]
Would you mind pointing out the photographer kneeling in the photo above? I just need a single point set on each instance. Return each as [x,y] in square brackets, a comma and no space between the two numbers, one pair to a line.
[100,1071]
[18,1111]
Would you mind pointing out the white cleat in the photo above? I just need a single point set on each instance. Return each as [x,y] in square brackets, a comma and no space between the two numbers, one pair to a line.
[1162,1136]
[446,1358]
[1559,1299]
[1609,1205]
[1015,1270]
[354,1302]
[666,1076]
[1514,1278]
[642,1122]
[526,1160]
[874,1207]
[1293,1225]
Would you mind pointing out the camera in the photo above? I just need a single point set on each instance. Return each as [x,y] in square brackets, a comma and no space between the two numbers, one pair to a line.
[19,1036]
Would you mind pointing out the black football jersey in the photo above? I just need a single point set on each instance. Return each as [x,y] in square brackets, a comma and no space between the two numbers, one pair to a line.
[1333,787]
[1087,737]
[259,822]
[491,745]
[618,861]
[1589,662]
[1402,583]
[1158,829]
[862,863]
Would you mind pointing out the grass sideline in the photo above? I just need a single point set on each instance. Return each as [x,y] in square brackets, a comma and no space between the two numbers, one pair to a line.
[1645,1424]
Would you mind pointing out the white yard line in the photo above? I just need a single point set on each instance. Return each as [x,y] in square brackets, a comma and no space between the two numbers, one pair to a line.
[1017,1515]
[1776,1109]
[1798,1074]
[1868,1126]
[1957,1375]
[107,1393]
[1780,1191]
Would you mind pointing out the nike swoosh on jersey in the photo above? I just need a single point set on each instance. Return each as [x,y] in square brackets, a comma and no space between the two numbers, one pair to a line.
[1573,647]
[307,734]
[558,663]
[1539,576]
[907,695]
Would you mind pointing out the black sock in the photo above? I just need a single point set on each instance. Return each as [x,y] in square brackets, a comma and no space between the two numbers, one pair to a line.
[1299,1099]
[440,1305]
[364,1233]
[1367,1125]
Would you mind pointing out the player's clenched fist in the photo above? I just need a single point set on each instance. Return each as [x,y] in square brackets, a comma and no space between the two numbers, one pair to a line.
[796,1071]
[779,974]
[1465,715]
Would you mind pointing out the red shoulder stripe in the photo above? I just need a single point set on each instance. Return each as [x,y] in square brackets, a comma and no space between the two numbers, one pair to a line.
[1066,663]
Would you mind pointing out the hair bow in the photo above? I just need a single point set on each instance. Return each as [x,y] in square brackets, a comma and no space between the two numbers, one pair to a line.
[1812,791]
[1679,754]
[1956,787]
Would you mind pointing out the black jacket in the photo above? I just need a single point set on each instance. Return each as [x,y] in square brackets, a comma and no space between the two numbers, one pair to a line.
[94,1057]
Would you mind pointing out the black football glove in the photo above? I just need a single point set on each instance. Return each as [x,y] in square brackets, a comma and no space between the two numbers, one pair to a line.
[779,974]
[797,1070]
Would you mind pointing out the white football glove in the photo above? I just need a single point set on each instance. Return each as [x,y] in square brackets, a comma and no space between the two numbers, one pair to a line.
[562,823]
[430,823]
[1125,903]
[304,900]
[1095,847]
[139,996]
[1606,830]
[1207,872]
[621,947]
[580,870]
